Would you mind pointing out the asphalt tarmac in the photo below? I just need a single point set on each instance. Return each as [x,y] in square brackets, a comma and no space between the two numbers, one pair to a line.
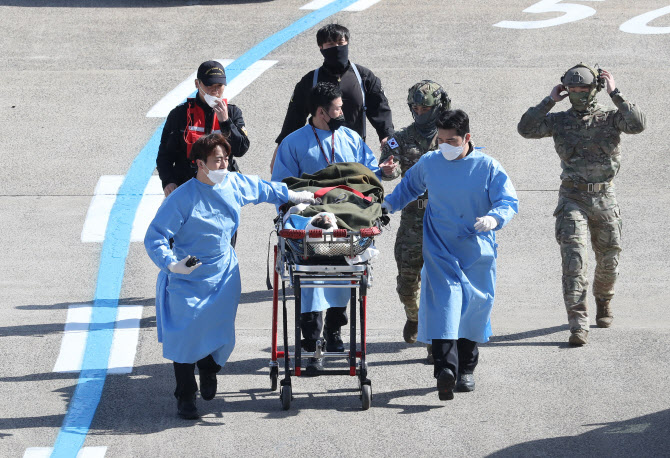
[78,78]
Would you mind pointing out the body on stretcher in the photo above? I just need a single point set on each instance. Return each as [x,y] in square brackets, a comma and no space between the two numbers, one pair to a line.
[307,238]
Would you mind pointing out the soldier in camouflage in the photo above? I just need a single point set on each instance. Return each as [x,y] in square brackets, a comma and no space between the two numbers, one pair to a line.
[586,138]
[425,99]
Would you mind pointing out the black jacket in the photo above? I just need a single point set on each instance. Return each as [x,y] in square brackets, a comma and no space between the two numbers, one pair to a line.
[378,111]
[173,165]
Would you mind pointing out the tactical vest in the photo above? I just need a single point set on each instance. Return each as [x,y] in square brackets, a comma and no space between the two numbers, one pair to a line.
[195,125]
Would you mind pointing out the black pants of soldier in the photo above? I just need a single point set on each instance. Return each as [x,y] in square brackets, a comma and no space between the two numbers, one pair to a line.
[185,375]
[460,356]
[576,216]
[311,324]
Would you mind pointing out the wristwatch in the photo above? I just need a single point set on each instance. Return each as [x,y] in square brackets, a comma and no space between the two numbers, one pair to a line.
[614,92]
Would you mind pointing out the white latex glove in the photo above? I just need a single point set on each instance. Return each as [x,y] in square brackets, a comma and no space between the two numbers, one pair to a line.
[181,268]
[386,206]
[485,224]
[301,197]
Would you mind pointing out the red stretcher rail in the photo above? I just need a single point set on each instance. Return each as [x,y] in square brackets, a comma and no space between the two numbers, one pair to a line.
[298,234]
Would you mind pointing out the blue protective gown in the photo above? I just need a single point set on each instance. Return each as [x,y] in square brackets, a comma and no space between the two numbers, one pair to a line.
[300,153]
[459,271]
[195,313]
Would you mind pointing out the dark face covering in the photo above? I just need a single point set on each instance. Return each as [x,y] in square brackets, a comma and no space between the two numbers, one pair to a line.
[336,57]
[425,123]
[336,123]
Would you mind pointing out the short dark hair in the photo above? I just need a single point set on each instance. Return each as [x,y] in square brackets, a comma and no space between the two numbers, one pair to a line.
[322,95]
[205,146]
[331,32]
[454,119]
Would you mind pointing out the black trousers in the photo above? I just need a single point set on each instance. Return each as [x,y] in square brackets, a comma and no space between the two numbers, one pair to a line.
[461,356]
[185,375]
[311,323]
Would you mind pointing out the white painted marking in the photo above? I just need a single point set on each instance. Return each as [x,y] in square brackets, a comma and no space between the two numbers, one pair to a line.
[572,12]
[361,5]
[103,199]
[163,107]
[124,344]
[85,452]
[74,338]
[316,4]
[151,200]
[178,94]
[639,23]
[247,77]
[358,6]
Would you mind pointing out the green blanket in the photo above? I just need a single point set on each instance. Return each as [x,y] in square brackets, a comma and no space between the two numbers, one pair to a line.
[352,212]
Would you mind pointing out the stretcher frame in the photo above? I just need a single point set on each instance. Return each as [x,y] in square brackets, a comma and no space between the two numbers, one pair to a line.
[303,271]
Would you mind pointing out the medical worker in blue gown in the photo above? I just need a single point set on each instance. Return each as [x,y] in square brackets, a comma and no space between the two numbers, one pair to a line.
[471,197]
[323,141]
[198,287]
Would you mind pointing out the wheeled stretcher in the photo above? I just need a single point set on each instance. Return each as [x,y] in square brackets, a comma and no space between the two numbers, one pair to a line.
[318,259]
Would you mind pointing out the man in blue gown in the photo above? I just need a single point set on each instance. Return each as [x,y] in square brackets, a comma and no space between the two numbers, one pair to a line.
[323,141]
[196,299]
[471,196]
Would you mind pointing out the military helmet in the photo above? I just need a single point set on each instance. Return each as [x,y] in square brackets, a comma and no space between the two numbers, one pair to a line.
[428,94]
[582,75]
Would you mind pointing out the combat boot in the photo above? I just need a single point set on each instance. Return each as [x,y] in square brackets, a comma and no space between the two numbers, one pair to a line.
[578,336]
[410,331]
[604,315]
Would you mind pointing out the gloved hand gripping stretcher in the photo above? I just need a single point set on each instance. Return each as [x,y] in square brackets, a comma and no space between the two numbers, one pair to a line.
[327,245]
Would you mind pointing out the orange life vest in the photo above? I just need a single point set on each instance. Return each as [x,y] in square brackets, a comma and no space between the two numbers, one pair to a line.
[195,125]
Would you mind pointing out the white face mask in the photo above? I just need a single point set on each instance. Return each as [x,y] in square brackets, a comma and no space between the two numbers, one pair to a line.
[210,99]
[450,152]
[216,176]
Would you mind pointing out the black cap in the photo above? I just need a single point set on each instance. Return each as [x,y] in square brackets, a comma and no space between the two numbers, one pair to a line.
[211,72]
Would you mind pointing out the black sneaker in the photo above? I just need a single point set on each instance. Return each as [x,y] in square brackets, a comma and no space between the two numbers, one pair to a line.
[465,382]
[333,339]
[208,385]
[186,408]
[445,385]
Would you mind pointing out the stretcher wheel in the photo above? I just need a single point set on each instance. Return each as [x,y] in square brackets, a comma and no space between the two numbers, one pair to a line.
[274,375]
[285,397]
[366,396]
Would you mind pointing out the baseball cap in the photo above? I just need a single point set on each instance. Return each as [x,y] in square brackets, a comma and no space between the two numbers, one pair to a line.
[211,72]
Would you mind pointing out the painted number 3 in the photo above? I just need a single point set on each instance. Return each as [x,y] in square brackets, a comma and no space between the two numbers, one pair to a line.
[573,12]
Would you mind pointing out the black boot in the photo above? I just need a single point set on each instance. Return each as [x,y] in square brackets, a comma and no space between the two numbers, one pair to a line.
[333,339]
[207,385]
[445,384]
[186,408]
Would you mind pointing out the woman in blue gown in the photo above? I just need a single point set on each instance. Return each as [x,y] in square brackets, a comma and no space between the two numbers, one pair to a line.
[198,287]
[471,197]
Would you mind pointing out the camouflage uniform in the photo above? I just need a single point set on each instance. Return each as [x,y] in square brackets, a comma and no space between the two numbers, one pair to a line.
[588,146]
[407,146]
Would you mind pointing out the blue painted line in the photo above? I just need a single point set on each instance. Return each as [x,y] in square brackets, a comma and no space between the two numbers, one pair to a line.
[88,392]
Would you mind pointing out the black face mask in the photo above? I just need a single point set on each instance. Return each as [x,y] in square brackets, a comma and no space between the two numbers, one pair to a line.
[425,123]
[336,123]
[336,57]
